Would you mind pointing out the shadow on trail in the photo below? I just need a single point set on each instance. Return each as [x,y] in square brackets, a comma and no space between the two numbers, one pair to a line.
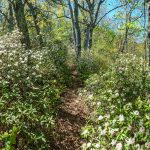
[71,118]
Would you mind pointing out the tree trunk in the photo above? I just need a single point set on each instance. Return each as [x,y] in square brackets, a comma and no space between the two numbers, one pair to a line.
[90,38]
[73,25]
[124,47]
[88,41]
[125,42]
[37,28]
[11,22]
[149,32]
[21,22]
[77,30]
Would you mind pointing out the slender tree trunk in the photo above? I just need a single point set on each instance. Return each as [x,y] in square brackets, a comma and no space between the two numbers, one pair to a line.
[90,37]
[21,22]
[73,25]
[125,41]
[78,32]
[76,28]
[88,41]
[11,22]
[9,18]
[35,19]
[149,32]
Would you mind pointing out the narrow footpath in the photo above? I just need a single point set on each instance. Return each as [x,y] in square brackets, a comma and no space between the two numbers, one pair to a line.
[71,118]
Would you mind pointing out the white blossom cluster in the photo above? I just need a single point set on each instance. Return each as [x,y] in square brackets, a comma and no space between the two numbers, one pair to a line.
[28,88]
[120,101]
[15,58]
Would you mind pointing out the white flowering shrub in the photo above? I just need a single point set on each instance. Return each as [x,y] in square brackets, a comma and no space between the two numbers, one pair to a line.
[120,99]
[29,91]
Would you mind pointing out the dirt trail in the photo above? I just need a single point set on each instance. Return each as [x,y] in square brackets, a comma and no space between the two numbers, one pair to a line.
[71,118]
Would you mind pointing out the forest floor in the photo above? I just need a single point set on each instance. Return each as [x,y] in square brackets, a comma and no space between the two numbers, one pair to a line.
[71,118]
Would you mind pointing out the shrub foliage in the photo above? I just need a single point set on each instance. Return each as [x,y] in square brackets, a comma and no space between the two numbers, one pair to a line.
[30,89]
[120,98]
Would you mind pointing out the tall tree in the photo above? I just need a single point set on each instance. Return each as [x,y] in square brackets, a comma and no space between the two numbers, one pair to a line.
[74,13]
[33,11]
[148,2]
[8,16]
[11,17]
[130,24]
[90,10]
[19,6]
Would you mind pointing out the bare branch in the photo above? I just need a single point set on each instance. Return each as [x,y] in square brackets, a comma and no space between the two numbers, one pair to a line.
[98,8]
[109,12]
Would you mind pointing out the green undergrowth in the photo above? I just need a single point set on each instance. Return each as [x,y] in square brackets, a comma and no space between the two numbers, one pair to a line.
[119,99]
[31,83]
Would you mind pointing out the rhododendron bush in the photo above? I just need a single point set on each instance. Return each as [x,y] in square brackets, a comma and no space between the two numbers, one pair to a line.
[29,90]
[120,100]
